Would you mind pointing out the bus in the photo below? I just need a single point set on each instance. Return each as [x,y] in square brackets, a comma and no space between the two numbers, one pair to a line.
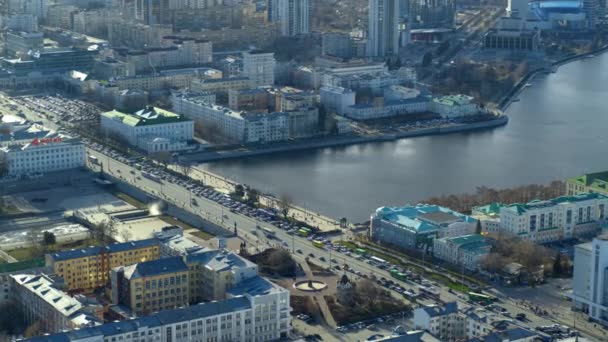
[93,160]
[409,295]
[430,291]
[151,177]
[318,244]
[378,260]
[267,213]
[481,298]
[360,251]
[269,232]
[395,273]
[304,232]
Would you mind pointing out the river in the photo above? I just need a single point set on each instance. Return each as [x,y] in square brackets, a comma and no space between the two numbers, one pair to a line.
[559,128]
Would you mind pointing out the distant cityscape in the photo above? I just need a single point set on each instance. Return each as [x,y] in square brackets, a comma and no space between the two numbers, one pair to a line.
[112,228]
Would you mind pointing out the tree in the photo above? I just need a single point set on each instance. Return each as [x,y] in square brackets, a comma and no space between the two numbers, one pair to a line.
[494,262]
[343,222]
[104,232]
[427,59]
[239,191]
[48,238]
[478,228]
[35,329]
[253,196]
[163,157]
[557,265]
[125,235]
[185,168]
[34,240]
[285,202]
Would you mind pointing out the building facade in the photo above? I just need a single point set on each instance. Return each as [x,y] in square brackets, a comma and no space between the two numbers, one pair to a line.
[151,129]
[294,16]
[48,154]
[259,66]
[337,99]
[557,219]
[591,182]
[465,251]
[383,28]
[590,280]
[444,322]
[453,106]
[89,268]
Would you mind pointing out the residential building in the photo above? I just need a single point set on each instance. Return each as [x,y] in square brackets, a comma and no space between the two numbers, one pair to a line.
[417,226]
[258,66]
[453,106]
[337,99]
[513,334]
[177,245]
[294,16]
[489,215]
[261,314]
[591,182]
[51,153]
[436,14]
[151,129]
[110,68]
[214,272]
[557,219]
[164,80]
[221,86]
[235,127]
[137,35]
[590,280]
[43,301]
[337,44]
[465,251]
[250,100]
[151,286]
[376,81]
[383,28]
[444,322]
[38,8]
[89,268]
[408,336]
[19,43]
[60,15]
[22,23]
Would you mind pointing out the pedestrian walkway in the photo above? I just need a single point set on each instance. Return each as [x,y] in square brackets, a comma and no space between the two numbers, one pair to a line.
[320,299]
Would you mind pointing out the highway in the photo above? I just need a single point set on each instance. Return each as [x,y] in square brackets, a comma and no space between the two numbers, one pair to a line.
[299,246]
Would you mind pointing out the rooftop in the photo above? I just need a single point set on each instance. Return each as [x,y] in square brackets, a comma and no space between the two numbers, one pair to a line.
[597,181]
[155,267]
[422,217]
[453,100]
[473,243]
[255,286]
[113,248]
[145,117]
[563,200]
[43,287]
[220,261]
[436,311]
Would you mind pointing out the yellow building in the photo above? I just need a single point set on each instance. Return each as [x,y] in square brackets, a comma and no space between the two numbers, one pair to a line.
[151,286]
[591,182]
[89,268]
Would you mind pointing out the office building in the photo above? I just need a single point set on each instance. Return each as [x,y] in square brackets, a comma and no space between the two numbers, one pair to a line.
[557,219]
[444,322]
[417,226]
[382,108]
[20,43]
[151,286]
[465,251]
[592,182]
[52,60]
[432,14]
[337,44]
[51,153]
[590,280]
[258,66]
[89,268]
[453,106]
[383,28]
[17,131]
[151,129]
[293,16]
[43,301]
[337,99]
[257,311]
[22,23]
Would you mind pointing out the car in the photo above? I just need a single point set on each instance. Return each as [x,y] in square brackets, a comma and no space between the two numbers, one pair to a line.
[322,258]
[521,316]
[311,255]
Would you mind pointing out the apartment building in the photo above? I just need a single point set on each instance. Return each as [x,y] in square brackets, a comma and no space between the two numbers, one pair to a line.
[259,66]
[444,322]
[151,286]
[43,301]
[137,35]
[591,182]
[257,312]
[151,129]
[557,219]
[337,99]
[465,251]
[589,282]
[221,86]
[89,268]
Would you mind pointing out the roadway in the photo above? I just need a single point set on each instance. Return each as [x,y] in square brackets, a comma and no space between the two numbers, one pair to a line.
[300,247]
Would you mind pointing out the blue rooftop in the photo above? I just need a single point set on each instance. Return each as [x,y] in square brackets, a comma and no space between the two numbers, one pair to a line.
[423,217]
[116,247]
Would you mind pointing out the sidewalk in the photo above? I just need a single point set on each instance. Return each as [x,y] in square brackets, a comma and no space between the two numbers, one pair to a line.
[320,299]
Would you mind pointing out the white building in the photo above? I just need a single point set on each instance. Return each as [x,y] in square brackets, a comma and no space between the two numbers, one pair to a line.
[258,66]
[337,99]
[234,126]
[558,219]
[382,109]
[151,129]
[465,251]
[294,16]
[444,322]
[383,28]
[41,155]
[256,310]
[452,106]
[590,280]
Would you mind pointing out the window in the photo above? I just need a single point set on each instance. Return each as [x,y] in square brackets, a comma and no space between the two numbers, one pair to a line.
[532,223]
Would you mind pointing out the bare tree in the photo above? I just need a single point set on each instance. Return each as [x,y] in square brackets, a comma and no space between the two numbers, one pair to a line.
[285,204]
[494,262]
[35,241]
[185,168]
[104,232]
[125,235]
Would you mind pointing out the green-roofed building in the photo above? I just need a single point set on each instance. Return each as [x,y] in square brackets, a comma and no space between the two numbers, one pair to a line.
[465,251]
[591,182]
[151,129]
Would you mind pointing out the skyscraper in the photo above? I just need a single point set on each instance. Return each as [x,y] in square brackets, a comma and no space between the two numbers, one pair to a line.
[383,29]
[293,15]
